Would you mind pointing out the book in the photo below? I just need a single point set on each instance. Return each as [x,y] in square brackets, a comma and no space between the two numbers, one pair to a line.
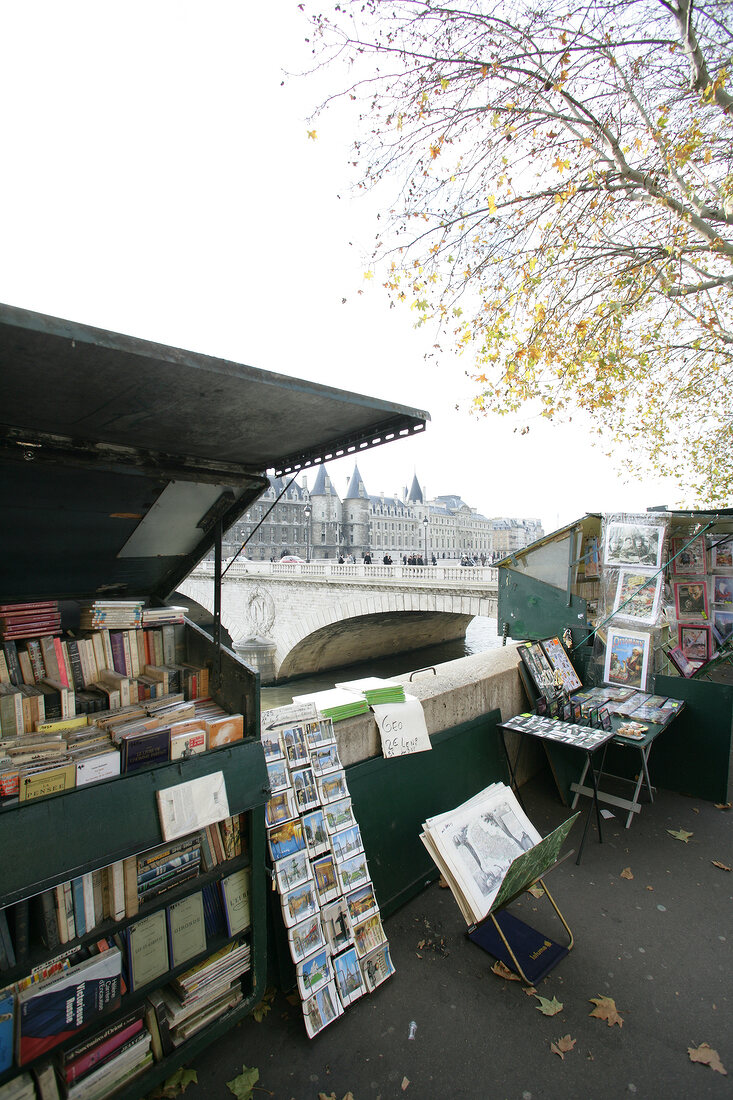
[77,1060]
[7,1020]
[186,929]
[477,844]
[52,1011]
[224,731]
[147,941]
[235,891]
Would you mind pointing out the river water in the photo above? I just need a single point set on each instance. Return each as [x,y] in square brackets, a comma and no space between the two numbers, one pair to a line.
[480,636]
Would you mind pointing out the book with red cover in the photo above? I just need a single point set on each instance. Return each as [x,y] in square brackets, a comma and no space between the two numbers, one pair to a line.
[110,1040]
[53,1011]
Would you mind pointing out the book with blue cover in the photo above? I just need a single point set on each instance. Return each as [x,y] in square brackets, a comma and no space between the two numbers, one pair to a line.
[7,1013]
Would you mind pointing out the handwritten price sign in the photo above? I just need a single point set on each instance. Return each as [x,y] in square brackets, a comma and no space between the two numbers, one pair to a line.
[402,727]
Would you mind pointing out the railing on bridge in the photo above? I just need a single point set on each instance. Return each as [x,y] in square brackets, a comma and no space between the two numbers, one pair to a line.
[442,573]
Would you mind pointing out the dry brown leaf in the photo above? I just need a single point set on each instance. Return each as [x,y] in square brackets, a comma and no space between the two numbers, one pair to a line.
[627,873]
[606,1010]
[503,971]
[536,891]
[529,990]
[443,884]
[650,887]
[723,866]
[562,1046]
[707,1057]
[404,1084]
[695,810]
[723,805]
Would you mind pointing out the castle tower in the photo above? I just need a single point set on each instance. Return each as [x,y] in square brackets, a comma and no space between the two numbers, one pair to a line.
[356,516]
[325,517]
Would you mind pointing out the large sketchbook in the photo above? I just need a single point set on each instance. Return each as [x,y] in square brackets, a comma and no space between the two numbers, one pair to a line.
[488,850]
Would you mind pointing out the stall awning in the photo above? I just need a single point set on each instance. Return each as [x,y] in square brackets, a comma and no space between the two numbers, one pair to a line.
[119,454]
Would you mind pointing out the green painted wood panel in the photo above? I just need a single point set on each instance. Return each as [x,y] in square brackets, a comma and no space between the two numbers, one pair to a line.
[534,609]
[693,756]
[392,798]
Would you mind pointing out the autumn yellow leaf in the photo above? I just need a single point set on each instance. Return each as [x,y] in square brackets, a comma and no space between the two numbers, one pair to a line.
[562,1046]
[723,866]
[680,834]
[626,873]
[606,1010]
[503,971]
[491,203]
[707,1057]
[548,1008]
[312,135]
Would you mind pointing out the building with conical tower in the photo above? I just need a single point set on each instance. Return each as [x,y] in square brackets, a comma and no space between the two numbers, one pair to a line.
[356,517]
[325,517]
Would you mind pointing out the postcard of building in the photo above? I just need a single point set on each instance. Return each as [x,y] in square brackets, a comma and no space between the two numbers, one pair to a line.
[292,871]
[347,843]
[333,787]
[281,807]
[316,835]
[362,903]
[313,973]
[304,785]
[337,925]
[377,967]
[353,872]
[295,745]
[321,1009]
[305,938]
[349,981]
[339,815]
[327,883]
[325,758]
[320,733]
[278,775]
[368,935]
[299,904]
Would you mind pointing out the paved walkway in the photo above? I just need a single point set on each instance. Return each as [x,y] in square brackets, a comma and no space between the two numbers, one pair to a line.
[660,944]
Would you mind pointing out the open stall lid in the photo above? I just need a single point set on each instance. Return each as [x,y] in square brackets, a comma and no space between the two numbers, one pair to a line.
[120,455]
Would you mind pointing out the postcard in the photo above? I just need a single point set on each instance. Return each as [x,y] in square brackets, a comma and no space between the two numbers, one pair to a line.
[539,668]
[723,623]
[316,836]
[362,903]
[325,758]
[633,544]
[295,745]
[321,1009]
[557,656]
[305,938]
[347,843]
[327,883]
[281,807]
[292,871]
[304,785]
[721,554]
[348,977]
[368,935]
[627,658]
[286,839]
[277,773]
[298,904]
[339,815]
[377,967]
[353,872]
[723,591]
[337,925]
[333,787]
[313,973]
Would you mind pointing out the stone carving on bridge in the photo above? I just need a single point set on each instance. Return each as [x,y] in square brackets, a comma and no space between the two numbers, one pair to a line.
[261,611]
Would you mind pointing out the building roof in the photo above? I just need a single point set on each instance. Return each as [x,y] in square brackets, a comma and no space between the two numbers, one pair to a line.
[323,486]
[356,488]
[415,494]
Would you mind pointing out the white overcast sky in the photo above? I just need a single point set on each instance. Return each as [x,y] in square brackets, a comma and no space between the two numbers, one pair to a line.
[158,180]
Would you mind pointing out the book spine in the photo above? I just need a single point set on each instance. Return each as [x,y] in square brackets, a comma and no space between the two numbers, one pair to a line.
[77,889]
[77,672]
[69,910]
[63,676]
[11,656]
[117,644]
[102,1051]
[48,920]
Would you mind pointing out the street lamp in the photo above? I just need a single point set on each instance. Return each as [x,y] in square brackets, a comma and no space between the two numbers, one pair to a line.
[425,525]
[307,514]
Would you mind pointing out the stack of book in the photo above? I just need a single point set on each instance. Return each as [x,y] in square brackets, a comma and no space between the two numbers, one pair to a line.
[101,614]
[206,991]
[157,616]
[108,1060]
[27,620]
[336,703]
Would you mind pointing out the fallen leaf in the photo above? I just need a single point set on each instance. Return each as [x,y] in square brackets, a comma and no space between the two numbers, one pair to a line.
[243,1085]
[260,1010]
[707,1057]
[404,1084]
[529,990]
[293,999]
[443,884]
[695,810]
[606,1010]
[174,1085]
[723,866]
[536,891]
[650,887]
[323,1096]
[548,1008]
[680,834]
[723,805]
[626,873]
[503,971]
[562,1046]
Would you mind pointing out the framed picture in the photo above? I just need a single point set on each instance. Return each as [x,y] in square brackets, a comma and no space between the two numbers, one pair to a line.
[627,658]
[591,556]
[691,598]
[634,544]
[680,662]
[689,556]
[539,668]
[723,591]
[721,554]
[557,656]
[638,596]
[694,641]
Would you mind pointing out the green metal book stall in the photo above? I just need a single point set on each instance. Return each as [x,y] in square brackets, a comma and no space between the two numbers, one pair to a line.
[644,600]
[123,461]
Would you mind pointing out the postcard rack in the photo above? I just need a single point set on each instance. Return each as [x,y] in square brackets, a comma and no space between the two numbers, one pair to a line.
[531,954]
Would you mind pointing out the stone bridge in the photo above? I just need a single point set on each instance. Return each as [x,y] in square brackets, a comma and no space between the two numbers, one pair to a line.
[293,619]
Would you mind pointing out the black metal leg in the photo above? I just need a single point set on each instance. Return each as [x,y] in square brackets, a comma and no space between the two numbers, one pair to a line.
[512,770]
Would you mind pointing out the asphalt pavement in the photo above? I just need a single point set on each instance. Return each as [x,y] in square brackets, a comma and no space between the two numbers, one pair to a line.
[652,917]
